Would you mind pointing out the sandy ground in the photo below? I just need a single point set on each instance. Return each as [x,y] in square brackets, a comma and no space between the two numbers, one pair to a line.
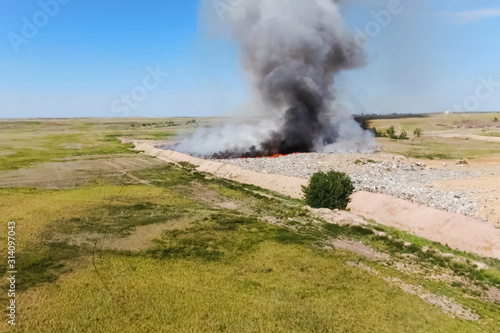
[457,231]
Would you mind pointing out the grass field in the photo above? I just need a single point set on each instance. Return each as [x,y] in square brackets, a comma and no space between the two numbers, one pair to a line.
[444,136]
[495,134]
[26,143]
[433,122]
[181,251]
[428,147]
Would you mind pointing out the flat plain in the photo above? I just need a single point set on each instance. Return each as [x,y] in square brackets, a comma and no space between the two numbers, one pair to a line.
[112,240]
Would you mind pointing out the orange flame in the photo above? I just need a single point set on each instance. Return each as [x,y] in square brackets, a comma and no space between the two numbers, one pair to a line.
[272,156]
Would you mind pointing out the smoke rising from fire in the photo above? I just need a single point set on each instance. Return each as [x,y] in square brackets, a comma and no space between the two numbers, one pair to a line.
[291,51]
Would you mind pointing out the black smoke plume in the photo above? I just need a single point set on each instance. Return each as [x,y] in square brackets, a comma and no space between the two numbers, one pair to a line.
[291,51]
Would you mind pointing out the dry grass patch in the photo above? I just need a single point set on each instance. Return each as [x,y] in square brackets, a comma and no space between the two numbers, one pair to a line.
[277,288]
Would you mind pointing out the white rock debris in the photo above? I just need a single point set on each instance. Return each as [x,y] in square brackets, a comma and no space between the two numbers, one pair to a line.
[412,182]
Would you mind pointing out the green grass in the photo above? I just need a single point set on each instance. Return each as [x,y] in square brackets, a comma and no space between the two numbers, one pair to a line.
[459,293]
[119,219]
[443,149]
[42,263]
[262,269]
[152,136]
[417,153]
[275,288]
[496,134]
[395,245]
[225,261]
[432,146]
[28,143]
[53,147]
[433,122]
[222,236]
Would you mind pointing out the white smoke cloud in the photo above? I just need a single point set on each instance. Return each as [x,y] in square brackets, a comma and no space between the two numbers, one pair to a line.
[234,138]
[291,51]
[351,138]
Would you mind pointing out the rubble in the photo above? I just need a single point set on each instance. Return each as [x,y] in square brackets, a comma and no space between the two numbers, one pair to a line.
[409,181]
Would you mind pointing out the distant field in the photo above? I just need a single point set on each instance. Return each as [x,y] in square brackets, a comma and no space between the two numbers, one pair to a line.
[495,134]
[433,122]
[441,148]
[26,143]
[154,247]
[443,137]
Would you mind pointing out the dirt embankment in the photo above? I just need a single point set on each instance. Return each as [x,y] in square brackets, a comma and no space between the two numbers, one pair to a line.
[457,231]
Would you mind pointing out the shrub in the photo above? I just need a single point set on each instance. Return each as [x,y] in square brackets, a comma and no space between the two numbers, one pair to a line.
[417,132]
[391,133]
[329,190]
[378,134]
[495,120]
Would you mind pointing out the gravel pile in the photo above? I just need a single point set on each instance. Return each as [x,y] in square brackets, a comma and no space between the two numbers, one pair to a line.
[412,182]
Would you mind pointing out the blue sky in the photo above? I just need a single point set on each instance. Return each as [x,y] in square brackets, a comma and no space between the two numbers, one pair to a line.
[88,54]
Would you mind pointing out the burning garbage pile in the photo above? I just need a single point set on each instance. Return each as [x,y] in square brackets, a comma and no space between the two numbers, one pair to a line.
[291,51]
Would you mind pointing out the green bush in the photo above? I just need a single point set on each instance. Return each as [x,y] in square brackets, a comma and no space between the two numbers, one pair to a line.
[391,133]
[417,132]
[378,134]
[329,190]
[495,120]
[403,135]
